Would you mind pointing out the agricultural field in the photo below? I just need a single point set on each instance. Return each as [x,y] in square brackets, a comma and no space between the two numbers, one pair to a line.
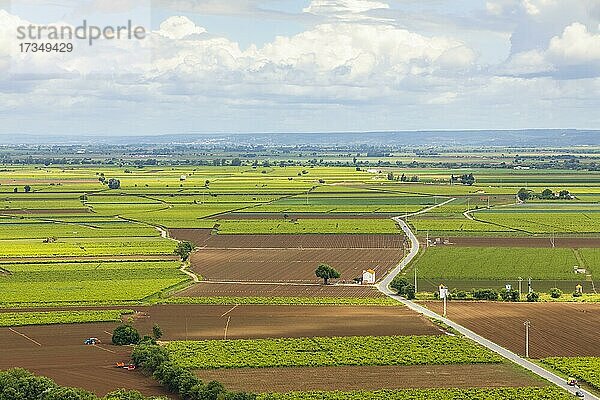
[60,317]
[261,320]
[557,329]
[329,351]
[586,369]
[293,258]
[85,282]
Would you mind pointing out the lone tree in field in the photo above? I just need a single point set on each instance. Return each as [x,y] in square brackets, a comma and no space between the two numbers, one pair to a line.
[326,272]
[184,249]
[157,332]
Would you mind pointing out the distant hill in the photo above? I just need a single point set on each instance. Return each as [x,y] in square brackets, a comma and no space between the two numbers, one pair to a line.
[504,138]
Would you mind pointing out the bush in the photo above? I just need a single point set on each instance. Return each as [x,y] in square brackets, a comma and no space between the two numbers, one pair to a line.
[509,295]
[460,294]
[124,335]
[533,297]
[577,294]
[555,293]
[403,288]
[485,294]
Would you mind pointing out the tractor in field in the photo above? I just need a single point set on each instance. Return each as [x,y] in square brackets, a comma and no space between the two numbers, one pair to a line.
[128,367]
[92,341]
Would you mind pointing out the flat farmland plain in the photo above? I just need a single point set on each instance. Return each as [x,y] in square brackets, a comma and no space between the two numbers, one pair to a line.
[557,329]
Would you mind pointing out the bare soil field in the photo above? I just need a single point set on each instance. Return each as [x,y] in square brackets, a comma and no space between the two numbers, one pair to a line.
[370,378]
[266,290]
[521,242]
[289,265]
[198,322]
[306,241]
[58,352]
[557,329]
[196,236]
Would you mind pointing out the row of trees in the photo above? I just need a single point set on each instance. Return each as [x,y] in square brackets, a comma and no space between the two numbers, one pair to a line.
[465,179]
[16,384]
[546,194]
[155,359]
[402,178]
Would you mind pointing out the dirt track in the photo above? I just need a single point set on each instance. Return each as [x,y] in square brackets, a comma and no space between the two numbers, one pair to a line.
[255,290]
[370,378]
[521,242]
[557,329]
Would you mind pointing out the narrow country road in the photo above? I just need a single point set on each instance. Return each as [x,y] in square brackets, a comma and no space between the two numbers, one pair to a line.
[383,287]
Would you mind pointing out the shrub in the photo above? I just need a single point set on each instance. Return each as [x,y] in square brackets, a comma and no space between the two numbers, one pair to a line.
[403,288]
[577,294]
[124,335]
[183,250]
[460,294]
[485,294]
[555,293]
[533,297]
[509,295]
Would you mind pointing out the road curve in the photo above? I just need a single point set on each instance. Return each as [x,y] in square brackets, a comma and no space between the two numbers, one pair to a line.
[383,287]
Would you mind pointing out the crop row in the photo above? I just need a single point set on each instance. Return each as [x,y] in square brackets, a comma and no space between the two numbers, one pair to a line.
[60,317]
[428,394]
[331,351]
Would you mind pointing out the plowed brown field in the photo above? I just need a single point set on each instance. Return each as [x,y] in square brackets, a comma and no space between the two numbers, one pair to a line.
[277,290]
[371,378]
[290,258]
[557,329]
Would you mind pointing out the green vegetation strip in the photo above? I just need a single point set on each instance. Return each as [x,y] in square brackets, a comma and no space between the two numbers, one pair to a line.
[313,352]
[60,317]
[427,394]
[284,301]
[583,368]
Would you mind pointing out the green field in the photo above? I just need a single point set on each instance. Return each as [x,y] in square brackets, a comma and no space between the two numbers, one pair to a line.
[427,394]
[86,282]
[336,351]
[582,368]
[446,262]
[61,317]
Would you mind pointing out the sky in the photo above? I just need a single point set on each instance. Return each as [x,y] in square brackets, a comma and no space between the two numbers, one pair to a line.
[226,66]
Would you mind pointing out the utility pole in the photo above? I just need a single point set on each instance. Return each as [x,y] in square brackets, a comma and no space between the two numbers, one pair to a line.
[527,326]
[415,279]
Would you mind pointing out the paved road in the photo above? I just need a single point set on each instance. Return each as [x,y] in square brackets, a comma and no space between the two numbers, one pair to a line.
[383,287]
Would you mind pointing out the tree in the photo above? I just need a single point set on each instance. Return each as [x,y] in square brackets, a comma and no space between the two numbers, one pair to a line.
[27,188]
[547,194]
[533,297]
[509,295]
[405,289]
[326,272]
[555,293]
[183,250]
[114,183]
[124,335]
[236,162]
[156,331]
[523,194]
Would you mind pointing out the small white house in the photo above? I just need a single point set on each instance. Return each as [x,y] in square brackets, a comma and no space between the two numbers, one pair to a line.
[368,277]
[183,178]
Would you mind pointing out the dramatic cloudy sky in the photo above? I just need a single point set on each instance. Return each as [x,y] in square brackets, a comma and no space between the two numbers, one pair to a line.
[302,65]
